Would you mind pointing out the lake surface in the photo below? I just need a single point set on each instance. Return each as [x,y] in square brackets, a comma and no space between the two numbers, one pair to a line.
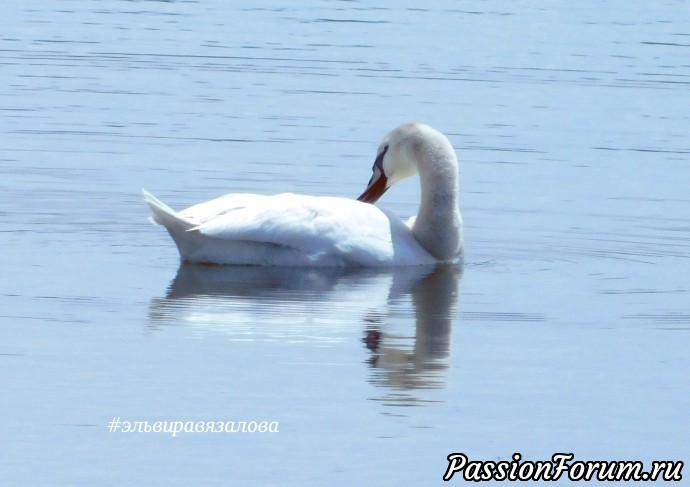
[567,329]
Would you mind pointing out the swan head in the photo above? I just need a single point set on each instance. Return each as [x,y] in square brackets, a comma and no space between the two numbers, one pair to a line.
[399,155]
[417,148]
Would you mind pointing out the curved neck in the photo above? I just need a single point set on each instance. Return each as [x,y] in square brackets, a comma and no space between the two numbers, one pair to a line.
[438,226]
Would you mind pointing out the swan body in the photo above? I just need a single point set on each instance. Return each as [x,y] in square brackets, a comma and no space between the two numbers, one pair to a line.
[298,230]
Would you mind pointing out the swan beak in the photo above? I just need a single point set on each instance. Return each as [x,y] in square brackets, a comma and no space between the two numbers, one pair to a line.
[378,184]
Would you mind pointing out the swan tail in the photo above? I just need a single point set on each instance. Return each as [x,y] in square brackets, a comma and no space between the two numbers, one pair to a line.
[191,245]
[166,216]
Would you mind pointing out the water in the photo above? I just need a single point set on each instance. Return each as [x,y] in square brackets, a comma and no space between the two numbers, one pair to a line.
[566,331]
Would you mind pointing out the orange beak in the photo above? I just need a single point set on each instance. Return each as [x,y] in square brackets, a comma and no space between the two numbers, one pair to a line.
[376,187]
[378,184]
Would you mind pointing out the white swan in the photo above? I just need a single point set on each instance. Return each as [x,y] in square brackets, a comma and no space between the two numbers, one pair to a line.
[297,230]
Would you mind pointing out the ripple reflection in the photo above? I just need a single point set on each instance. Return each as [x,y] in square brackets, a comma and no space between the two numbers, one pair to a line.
[403,317]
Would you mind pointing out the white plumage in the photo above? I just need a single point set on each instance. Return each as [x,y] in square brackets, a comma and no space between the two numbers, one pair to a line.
[299,230]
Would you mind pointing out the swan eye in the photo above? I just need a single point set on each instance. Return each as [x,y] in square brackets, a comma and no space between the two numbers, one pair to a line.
[378,163]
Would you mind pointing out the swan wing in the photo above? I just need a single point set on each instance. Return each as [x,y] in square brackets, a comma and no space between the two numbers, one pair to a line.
[357,231]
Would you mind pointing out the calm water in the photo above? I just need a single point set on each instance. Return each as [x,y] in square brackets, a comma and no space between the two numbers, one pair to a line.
[567,330]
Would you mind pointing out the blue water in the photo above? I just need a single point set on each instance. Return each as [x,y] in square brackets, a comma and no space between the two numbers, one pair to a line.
[567,330]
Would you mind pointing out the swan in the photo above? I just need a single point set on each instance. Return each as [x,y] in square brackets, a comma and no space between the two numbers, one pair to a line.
[298,230]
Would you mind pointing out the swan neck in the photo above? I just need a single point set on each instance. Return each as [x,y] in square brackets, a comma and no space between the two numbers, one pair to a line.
[438,224]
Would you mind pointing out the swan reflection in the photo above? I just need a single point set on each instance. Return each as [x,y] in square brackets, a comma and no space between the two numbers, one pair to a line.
[402,316]
[405,362]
